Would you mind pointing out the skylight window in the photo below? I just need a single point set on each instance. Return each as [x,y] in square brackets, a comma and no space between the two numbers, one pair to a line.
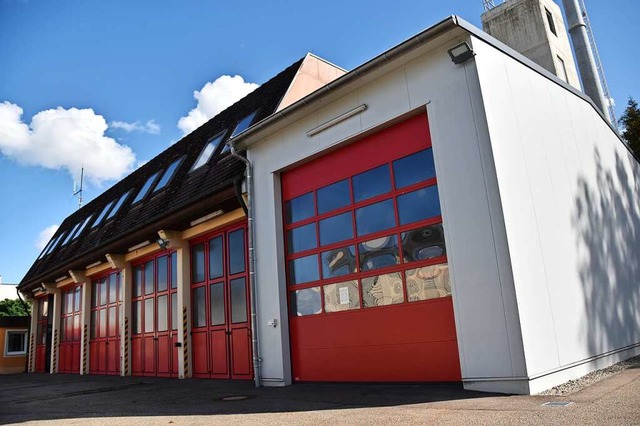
[118,205]
[81,228]
[102,215]
[243,124]
[73,231]
[208,151]
[168,174]
[52,246]
[145,188]
[46,249]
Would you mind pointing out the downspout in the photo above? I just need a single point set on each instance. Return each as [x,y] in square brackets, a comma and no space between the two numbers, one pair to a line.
[26,308]
[252,265]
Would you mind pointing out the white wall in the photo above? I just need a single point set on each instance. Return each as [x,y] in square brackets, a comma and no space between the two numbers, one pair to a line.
[570,194]
[484,299]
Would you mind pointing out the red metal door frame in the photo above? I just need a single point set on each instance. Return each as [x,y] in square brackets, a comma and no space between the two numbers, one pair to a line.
[41,333]
[104,340]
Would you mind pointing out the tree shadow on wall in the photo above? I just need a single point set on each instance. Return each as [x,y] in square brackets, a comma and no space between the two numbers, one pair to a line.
[607,220]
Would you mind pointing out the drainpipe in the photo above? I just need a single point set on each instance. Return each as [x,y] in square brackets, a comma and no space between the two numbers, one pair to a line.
[252,265]
[26,308]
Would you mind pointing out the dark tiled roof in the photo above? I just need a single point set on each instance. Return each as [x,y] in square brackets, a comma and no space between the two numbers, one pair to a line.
[185,196]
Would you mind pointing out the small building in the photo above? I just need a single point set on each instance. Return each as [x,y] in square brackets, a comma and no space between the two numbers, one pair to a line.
[447,211]
[14,343]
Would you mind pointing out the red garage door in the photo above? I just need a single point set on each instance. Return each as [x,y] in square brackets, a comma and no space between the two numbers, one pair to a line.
[70,329]
[105,320]
[43,334]
[367,275]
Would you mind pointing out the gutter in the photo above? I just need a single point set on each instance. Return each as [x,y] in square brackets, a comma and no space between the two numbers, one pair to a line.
[255,349]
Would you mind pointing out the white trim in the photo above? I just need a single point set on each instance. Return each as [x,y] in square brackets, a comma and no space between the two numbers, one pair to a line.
[8,354]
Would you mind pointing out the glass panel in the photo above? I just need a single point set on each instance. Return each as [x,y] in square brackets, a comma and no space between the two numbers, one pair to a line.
[168,174]
[121,200]
[304,269]
[174,270]
[174,311]
[77,304]
[148,315]
[145,188]
[76,328]
[236,251]
[238,301]
[103,323]
[428,282]
[243,124]
[208,151]
[197,263]
[163,271]
[418,205]
[70,234]
[137,281]
[113,288]
[340,261]
[333,196]
[336,228]
[163,319]
[382,290]
[216,258]
[113,325]
[103,291]
[306,302]
[299,208]
[341,296]
[136,317]
[376,217]
[102,214]
[44,308]
[371,183]
[199,315]
[94,294]
[148,277]
[94,324]
[216,293]
[302,238]
[423,243]
[84,224]
[415,168]
[63,329]
[379,253]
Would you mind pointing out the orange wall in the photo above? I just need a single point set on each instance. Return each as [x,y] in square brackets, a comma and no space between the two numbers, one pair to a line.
[10,364]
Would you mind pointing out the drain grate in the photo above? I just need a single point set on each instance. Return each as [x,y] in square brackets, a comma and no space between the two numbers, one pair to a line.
[557,404]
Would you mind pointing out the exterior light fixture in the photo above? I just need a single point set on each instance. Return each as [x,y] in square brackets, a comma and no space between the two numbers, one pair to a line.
[162,243]
[461,53]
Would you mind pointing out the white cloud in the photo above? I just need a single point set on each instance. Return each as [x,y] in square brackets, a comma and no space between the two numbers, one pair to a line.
[150,126]
[64,139]
[213,98]
[45,235]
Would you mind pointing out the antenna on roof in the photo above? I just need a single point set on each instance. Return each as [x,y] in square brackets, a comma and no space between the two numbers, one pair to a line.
[78,191]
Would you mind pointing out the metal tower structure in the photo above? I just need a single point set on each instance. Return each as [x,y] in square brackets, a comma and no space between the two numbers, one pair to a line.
[488,5]
[599,67]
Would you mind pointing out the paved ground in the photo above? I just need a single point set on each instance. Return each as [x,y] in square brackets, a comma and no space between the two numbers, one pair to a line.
[71,399]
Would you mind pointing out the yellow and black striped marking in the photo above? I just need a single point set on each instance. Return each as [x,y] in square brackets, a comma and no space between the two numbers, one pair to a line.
[54,354]
[126,347]
[185,349]
[32,351]
[85,347]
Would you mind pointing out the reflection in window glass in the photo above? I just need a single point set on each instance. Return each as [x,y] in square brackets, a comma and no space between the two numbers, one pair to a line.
[70,234]
[428,282]
[299,208]
[238,301]
[145,188]
[371,183]
[94,294]
[103,291]
[102,214]
[243,124]
[137,281]
[423,243]
[162,273]
[376,217]
[94,324]
[341,296]
[113,326]
[236,251]
[174,270]
[103,323]
[136,317]
[163,324]
[216,258]
[379,253]
[304,269]
[199,318]
[340,261]
[336,228]
[414,168]
[148,315]
[418,205]
[174,311]
[113,288]
[148,277]
[382,290]
[216,297]
[306,302]
[197,263]
[78,297]
[168,174]
[301,238]
[208,151]
[116,208]
[84,224]
[333,196]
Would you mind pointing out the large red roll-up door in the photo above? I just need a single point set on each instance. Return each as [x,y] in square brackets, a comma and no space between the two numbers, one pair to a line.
[70,329]
[105,324]
[367,275]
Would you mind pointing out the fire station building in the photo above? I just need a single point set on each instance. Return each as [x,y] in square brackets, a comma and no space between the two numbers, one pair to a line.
[447,211]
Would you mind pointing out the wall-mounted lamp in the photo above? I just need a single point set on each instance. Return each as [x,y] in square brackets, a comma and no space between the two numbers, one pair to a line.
[460,53]
[162,243]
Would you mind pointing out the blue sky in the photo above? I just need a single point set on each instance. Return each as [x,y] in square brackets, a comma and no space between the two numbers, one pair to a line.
[105,83]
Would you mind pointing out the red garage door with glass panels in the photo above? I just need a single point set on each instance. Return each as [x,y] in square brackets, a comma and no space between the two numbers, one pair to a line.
[70,329]
[105,320]
[367,275]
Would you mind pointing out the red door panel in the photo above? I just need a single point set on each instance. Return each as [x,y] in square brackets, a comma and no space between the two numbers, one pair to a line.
[200,362]
[94,357]
[113,358]
[240,353]
[164,355]
[149,356]
[102,360]
[75,366]
[219,353]
[136,356]
[40,359]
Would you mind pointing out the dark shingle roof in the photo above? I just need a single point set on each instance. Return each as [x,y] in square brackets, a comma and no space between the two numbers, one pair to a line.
[184,197]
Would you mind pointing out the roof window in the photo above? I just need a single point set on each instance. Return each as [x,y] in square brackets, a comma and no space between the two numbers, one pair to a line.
[71,234]
[102,215]
[208,150]
[168,174]
[55,243]
[243,124]
[145,188]
[118,205]
[81,227]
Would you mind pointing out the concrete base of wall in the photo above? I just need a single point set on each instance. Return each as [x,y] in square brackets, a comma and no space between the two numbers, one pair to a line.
[542,382]
[274,383]
[12,370]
